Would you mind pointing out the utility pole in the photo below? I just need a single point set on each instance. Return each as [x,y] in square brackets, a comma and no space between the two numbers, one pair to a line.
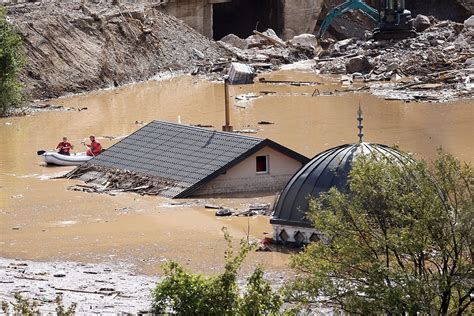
[227,127]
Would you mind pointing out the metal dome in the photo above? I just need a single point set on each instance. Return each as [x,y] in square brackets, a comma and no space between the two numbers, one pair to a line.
[328,169]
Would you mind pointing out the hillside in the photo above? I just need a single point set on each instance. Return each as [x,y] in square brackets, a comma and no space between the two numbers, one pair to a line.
[75,48]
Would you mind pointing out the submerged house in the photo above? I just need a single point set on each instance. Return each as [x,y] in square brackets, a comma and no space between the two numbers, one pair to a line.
[183,161]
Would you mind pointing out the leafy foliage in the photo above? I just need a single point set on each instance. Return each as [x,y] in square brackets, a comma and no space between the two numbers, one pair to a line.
[184,293]
[61,310]
[400,242]
[11,64]
[23,306]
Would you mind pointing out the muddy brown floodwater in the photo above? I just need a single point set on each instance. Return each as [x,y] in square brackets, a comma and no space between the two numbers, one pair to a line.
[41,220]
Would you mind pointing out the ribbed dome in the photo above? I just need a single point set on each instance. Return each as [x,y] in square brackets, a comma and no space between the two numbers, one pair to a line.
[328,169]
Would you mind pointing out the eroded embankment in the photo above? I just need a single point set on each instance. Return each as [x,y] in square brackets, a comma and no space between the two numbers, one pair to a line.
[73,48]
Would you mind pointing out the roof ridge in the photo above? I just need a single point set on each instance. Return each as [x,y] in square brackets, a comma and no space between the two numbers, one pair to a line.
[210,131]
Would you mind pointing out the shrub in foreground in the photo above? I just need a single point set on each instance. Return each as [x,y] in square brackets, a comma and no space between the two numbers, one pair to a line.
[184,293]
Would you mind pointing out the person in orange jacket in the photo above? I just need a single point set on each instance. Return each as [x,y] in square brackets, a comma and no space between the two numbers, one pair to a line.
[95,147]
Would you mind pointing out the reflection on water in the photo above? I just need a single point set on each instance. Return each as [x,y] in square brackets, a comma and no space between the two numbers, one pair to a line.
[48,221]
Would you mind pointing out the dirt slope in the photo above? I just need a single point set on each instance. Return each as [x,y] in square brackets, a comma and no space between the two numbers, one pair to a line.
[72,48]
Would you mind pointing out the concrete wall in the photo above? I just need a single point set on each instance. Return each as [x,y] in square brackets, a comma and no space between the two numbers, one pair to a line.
[243,177]
[291,232]
[195,13]
[300,16]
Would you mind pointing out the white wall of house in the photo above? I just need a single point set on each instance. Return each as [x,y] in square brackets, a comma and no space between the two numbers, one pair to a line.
[244,178]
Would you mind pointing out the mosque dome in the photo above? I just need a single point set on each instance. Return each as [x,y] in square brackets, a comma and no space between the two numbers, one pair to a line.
[328,169]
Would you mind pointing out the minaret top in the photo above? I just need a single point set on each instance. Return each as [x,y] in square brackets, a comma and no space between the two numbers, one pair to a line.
[360,118]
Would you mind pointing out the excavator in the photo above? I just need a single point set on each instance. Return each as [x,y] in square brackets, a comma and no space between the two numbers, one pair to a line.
[394,20]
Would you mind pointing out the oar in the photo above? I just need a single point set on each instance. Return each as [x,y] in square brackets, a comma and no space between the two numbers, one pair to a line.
[41,152]
[83,143]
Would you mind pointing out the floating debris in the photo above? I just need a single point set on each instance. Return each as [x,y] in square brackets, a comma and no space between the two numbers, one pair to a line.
[212,206]
[203,125]
[246,131]
[290,82]
[247,97]
[224,212]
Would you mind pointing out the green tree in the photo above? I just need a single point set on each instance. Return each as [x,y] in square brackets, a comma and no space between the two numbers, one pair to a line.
[11,64]
[184,293]
[400,242]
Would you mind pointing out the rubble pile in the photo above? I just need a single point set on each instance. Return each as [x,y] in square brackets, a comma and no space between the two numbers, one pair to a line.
[438,65]
[113,181]
[265,50]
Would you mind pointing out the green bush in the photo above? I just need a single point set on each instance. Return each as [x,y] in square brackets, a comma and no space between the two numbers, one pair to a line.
[184,293]
[11,64]
[23,306]
[400,243]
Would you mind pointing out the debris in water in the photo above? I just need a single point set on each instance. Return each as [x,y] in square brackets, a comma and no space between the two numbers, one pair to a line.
[256,209]
[240,74]
[212,206]
[265,122]
[247,96]
[290,82]
[203,125]
[246,131]
[346,80]
[192,203]
[247,213]
[224,212]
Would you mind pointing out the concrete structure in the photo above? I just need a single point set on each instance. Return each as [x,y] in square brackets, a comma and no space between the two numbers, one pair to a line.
[329,169]
[181,161]
[300,16]
[196,13]
[217,18]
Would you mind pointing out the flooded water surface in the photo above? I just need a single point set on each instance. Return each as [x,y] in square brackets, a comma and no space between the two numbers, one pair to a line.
[41,220]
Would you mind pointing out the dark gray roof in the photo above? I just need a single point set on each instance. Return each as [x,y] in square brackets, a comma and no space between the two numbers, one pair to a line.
[326,170]
[185,155]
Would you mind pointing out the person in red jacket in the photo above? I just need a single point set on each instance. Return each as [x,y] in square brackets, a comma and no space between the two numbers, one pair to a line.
[64,147]
[95,147]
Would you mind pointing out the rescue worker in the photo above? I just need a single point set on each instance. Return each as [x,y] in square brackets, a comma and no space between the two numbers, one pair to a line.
[64,147]
[95,147]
